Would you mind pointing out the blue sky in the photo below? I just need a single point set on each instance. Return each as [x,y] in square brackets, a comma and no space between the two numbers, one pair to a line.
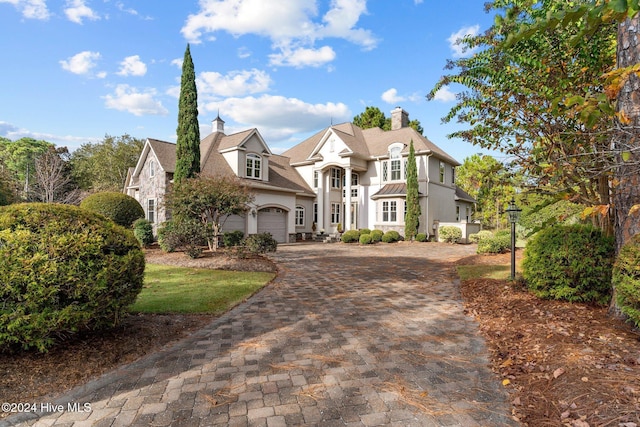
[75,70]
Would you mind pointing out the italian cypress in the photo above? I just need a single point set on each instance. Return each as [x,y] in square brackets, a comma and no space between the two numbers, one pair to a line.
[188,144]
[412,217]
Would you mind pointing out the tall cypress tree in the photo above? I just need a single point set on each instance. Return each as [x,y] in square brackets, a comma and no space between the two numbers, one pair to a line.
[412,217]
[188,144]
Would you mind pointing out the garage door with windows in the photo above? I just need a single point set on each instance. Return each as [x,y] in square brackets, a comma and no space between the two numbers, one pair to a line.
[274,221]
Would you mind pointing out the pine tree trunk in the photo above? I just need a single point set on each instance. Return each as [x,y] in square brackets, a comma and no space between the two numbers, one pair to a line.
[627,140]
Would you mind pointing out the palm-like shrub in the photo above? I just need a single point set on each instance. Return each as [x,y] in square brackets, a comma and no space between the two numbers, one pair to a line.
[119,207]
[63,270]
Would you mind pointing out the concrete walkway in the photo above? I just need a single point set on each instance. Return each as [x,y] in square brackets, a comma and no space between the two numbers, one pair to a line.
[346,335]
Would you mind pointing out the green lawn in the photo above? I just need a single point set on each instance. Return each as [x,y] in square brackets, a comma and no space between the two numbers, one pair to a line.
[170,289]
[487,271]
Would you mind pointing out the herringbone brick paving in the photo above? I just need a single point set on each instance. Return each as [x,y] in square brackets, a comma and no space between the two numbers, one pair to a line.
[347,335]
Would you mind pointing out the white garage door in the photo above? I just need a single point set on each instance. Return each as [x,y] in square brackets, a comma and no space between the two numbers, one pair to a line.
[274,221]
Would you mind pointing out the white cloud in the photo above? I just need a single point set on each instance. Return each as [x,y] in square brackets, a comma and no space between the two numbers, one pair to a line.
[132,66]
[391,96]
[293,26]
[31,9]
[278,117]
[235,83]
[77,10]
[244,52]
[13,133]
[177,62]
[302,57]
[127,98]
[82,63]
[444,95]
[455,41]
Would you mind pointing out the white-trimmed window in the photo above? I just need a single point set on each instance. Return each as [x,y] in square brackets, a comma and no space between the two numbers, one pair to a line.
[315,213]
[354,186]
[151,210]
[316,178]
[152,169]
[335,213]
[299,216]
[385,171]
[389,211]
[441,167]
[336,177]
[458,213]
[254,163]
[396,163]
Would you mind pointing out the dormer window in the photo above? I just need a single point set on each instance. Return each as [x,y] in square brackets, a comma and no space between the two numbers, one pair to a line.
[254,166]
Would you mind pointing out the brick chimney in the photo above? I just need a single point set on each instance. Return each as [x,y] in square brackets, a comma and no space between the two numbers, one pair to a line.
[399,119]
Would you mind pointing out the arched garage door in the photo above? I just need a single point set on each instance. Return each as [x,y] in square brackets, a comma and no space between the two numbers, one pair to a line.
[274,221]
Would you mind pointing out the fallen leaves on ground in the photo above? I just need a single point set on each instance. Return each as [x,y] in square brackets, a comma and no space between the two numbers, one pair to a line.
[564,364]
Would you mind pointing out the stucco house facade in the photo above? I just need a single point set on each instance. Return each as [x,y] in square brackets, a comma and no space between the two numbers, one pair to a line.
[359,178]
[341,175]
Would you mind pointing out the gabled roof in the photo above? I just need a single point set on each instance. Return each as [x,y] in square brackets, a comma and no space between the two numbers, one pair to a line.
[463,196]
[282,176]
[366,143]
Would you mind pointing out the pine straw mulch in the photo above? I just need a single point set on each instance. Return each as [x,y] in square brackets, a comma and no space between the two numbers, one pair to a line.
[31,377]
[563,364]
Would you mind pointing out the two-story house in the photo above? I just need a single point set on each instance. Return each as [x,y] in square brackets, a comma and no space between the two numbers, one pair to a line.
[359,178]
[341,175]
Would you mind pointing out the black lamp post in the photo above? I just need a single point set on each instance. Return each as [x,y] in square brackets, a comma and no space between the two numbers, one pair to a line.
[513,213]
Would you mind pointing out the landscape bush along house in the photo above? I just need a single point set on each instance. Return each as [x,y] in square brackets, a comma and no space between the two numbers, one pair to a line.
[343,177]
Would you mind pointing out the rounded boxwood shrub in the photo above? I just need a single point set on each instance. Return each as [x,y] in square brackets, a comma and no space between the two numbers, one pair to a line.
[376,236]
[260,243]
[350,236]
[421,237]
[626,279]
[119,207]
[449,234]
[64,269]
[391,236]
[572,263]
[495,244]
[365,239]
[143,230]
[480,235]
[364,231]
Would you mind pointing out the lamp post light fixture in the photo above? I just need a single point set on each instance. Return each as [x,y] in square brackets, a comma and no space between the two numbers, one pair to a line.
[513,213]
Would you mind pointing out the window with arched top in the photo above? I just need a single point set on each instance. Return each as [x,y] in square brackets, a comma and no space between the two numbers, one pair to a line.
[152,169]
[254,166]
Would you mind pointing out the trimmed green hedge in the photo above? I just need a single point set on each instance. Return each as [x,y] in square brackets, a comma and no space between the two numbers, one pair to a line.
[376,236]
[64,269]
[120,208]
[572,263]
[350,236]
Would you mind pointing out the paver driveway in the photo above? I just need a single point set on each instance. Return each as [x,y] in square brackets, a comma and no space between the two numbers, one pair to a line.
[346,335]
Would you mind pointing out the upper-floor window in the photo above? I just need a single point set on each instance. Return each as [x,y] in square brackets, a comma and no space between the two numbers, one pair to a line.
[254,163]
[354,186]
[396,163]
[152,169]
[299,216]
[442,172]
[336,177]
[453,175]
[316,178]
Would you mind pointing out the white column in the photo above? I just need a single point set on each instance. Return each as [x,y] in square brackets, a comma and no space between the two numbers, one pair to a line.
[347,198]
[321,200]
